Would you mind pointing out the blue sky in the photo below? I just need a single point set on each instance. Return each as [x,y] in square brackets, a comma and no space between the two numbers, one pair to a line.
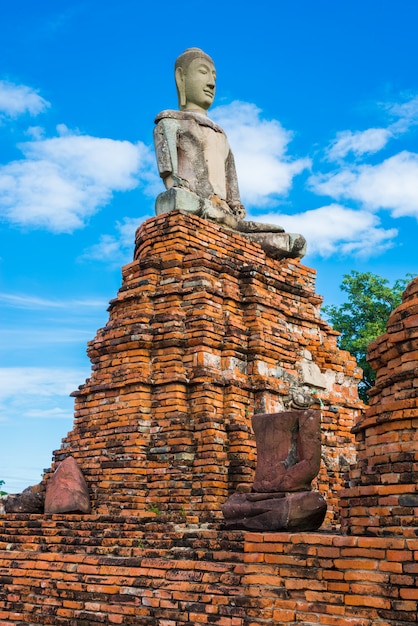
[320,104]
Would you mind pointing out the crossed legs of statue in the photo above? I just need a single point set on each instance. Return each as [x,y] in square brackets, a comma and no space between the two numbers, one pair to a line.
[275,242]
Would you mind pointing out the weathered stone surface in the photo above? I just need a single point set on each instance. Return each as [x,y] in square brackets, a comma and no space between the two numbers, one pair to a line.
[193,153]
[31,500]
[288,459]
[179,199]
[276,243]
[279,245]
[293,512]
[192,150]
[311,374]
[299,398]
[66,490]
[288,450]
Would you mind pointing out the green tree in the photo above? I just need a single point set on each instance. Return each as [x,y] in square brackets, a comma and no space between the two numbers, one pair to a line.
[2,493]
[364,316]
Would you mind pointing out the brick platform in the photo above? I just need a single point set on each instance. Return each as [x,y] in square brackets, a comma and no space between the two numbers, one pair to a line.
[72,571]
[204,331]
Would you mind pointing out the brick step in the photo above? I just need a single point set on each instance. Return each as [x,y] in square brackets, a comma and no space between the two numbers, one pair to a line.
[113,535]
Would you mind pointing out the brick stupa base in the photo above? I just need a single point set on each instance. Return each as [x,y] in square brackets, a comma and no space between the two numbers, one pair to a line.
[205,331]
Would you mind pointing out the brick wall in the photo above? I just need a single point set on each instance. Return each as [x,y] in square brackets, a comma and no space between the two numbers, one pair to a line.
[204,328]
[168,571]
[205,331]
[383,495]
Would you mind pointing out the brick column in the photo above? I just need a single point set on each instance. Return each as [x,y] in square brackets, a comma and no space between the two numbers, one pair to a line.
[383,495]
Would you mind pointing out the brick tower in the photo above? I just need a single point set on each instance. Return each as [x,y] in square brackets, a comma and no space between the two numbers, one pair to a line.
[206,330]
[383,496]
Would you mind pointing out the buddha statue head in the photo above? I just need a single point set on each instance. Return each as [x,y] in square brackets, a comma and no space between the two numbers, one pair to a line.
[195,80]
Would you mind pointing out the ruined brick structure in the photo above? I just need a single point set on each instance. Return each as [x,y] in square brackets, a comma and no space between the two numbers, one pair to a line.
[206,330]
[383,495]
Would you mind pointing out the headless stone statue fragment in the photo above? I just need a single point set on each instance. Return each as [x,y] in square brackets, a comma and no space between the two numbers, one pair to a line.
[196,163]
[288,459]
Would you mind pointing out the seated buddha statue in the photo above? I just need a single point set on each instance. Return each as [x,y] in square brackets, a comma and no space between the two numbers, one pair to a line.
[196,163]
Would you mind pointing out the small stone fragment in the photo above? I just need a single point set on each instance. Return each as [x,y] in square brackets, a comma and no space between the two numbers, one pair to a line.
[66,490]
[31,500]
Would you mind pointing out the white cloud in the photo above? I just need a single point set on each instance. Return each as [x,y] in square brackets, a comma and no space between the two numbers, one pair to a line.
[55,412]
[334,228]
[27,392]
[359,142]
[19,382]
[118,248]
[28,339]
[392,184]
[36,410]
[25,301]
[16,100]
[372,140]
[264,169]
[407,114]
[64,180]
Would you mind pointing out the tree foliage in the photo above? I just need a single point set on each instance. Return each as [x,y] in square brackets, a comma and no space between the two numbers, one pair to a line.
[364,316]
[2,493]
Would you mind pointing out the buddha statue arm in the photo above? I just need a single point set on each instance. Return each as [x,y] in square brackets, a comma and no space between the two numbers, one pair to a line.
[165,143]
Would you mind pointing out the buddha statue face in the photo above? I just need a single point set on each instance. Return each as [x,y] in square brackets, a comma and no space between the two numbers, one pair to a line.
[195,80]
